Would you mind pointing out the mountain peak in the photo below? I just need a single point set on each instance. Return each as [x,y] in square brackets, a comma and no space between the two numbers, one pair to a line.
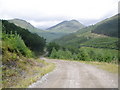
[18,20]
[67,26]
[73,20]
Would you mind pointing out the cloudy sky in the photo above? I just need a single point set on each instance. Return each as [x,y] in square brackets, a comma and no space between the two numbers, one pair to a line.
[46,13]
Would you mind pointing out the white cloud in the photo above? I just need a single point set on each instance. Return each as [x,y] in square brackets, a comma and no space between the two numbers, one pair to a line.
[37,10]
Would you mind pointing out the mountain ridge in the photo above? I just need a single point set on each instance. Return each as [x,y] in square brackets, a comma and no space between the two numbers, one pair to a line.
[49,35]
[24,24]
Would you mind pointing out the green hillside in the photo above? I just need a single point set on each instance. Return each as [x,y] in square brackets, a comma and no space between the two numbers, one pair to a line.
[108,26]
[50,36]
[24,24]
[102,42]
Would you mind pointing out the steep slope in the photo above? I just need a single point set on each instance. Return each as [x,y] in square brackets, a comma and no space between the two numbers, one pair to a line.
[19,66]
[88,38]
[67,26]
[32,40]
[108,26]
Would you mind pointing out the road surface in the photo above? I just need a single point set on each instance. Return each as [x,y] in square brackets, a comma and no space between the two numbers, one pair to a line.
[70,74]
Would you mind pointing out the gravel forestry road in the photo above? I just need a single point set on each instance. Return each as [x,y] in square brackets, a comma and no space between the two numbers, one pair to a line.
[72,74]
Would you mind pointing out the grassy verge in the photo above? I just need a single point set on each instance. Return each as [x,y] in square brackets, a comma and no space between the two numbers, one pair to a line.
[110,67]
[31,78]
[25,74]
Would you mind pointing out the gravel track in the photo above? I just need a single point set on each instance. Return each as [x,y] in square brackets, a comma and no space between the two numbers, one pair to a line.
[70,74]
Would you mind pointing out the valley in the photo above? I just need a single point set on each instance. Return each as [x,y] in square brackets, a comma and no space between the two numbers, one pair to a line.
[62,29]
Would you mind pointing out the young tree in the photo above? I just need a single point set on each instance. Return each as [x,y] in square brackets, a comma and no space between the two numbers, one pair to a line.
[53,53]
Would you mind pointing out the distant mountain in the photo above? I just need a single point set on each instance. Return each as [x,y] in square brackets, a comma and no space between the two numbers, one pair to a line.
[24,24]
[108,26]
[67,27]
[52,33]
[101,35]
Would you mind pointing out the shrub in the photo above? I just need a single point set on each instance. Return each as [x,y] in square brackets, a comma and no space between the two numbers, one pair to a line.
[14,43]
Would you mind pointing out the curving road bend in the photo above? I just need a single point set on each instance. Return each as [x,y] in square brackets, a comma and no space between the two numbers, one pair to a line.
[70,74]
